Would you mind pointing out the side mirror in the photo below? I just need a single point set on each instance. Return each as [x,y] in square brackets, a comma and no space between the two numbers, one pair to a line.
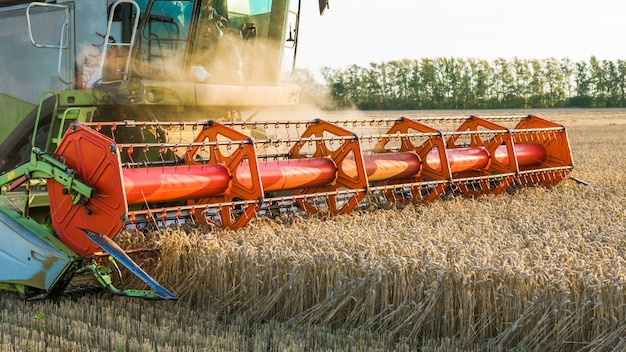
[323,6]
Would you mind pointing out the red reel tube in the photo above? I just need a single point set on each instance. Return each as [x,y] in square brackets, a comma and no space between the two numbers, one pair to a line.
[466,159]
[277,175]
[385,166]
[173,183]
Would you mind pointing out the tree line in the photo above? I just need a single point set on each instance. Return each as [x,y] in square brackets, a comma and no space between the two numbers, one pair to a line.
[458,83]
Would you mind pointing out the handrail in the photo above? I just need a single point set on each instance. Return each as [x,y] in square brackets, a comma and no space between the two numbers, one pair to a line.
[130,44]
[30,31]
[41,100]
[64,32]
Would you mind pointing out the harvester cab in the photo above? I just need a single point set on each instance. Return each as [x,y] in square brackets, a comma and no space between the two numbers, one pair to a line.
[147,132]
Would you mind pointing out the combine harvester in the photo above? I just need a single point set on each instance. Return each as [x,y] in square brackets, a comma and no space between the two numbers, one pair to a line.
[108,150]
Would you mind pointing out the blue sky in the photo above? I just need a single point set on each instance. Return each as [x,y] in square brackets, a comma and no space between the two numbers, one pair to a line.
[364,31]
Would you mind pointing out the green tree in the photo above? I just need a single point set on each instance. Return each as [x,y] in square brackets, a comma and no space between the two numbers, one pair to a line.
[611,83]
[621,70]
[582,83]
[567,70]
[481,72]
[555,93]
[596,83]
[428,80]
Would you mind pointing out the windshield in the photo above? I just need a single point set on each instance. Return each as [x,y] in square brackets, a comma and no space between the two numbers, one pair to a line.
[212,41]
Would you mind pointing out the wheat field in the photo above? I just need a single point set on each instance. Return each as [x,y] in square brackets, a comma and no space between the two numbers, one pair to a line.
[532,269]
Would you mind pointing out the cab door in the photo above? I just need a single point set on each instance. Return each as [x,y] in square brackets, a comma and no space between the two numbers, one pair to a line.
[162,43]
